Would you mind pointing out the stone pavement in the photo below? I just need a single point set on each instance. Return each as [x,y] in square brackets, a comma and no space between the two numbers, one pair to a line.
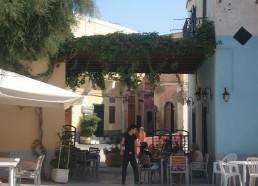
[107,175]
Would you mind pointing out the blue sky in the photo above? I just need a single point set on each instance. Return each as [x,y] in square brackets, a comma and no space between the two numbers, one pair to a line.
[144,15]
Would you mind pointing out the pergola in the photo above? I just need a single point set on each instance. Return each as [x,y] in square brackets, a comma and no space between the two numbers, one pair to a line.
[140,53]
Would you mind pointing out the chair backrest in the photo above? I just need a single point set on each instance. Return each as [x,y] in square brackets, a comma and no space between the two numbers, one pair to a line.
[145,161]
[94,150]
[4,154]
[230,157]
[39,163]
[80,156]
[178,163]
[221,166]
[252,163]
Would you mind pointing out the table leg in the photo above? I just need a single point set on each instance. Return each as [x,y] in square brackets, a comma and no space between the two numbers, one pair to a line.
[244,175]
[11,177]
[161,170]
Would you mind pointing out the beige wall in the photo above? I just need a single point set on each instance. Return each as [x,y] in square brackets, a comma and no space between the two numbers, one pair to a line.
[19,125]
[169,92]
[90,26]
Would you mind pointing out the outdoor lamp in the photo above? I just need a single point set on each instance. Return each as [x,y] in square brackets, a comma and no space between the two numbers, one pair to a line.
[205,94]
[226,95]
[188,101]
[198,94]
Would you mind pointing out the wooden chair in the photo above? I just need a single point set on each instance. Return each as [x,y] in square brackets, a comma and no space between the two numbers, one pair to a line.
[80,163]
[200,167]
[178,165]
[30,172]
[93,160]
[146,166]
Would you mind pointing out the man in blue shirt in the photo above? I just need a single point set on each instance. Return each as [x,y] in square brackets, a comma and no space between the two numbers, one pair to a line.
[129,154]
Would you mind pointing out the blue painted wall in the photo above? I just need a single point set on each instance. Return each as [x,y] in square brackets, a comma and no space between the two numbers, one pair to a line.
[236,67]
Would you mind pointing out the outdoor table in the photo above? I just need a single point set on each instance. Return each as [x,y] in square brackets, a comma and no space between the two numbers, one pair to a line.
[10,163]
[244,164]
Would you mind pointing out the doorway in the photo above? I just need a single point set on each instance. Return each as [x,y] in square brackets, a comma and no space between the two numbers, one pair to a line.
[99,110]
[169,117]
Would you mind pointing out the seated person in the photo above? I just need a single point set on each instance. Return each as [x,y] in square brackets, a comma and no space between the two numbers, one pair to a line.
[196,154]
[144,151]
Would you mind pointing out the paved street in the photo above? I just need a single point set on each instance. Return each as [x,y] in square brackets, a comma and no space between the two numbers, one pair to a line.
[107,175]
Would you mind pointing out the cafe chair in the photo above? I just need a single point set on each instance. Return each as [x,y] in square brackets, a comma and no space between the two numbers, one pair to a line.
[31,171]
[200,167]
[178,165]
[229,171]
[252,163]
[93,160]
[80,163]
[146,166]
[216,168]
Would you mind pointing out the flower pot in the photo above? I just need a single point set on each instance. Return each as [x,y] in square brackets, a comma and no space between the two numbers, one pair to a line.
[60,175]
[113,159]
[85,140]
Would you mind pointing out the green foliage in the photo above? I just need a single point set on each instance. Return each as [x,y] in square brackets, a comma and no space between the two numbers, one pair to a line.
[131,52]
[30,29]
[89,124]
[66,143]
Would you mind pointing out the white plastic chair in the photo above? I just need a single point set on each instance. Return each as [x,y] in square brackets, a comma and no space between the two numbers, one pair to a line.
[201,167]
[229,171]
[216,168]
[252,163]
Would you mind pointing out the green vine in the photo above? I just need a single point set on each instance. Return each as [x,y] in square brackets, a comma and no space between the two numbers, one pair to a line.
[130,53]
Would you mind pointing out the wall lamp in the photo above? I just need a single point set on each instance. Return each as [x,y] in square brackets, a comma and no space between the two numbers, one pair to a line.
[226,95]
[198,94]
[203,93]
[188,101]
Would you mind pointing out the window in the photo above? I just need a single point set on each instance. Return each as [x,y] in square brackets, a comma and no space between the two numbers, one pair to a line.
[112,114]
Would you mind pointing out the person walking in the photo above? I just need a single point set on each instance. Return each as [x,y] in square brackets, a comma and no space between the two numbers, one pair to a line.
[129,140]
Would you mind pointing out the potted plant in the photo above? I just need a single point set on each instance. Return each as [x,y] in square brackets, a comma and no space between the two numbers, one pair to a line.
[89,124]
[61,161]
[112,154]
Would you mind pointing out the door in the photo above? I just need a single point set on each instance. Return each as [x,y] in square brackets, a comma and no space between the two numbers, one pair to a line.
[193,126]
[204,128]
[68,116]
[149,123]
[169,117]
[99,110]
[131,110]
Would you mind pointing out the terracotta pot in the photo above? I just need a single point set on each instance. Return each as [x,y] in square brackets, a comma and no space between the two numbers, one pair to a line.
[113,160]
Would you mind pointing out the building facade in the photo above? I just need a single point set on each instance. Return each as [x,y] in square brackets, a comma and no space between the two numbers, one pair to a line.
[223,127]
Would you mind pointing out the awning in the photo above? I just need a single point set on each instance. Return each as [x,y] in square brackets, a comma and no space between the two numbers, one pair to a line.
[16,89]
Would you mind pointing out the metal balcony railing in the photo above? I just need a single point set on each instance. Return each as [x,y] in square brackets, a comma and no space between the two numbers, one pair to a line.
[191,25]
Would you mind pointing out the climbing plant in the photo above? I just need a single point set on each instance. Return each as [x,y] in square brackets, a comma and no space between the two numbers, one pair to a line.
[130,53]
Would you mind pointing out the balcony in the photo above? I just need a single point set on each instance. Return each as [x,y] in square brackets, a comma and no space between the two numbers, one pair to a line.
[191,25]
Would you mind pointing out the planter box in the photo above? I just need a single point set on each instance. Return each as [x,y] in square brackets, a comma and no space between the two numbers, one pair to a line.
[113,160]
[85,140]
[60,175]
